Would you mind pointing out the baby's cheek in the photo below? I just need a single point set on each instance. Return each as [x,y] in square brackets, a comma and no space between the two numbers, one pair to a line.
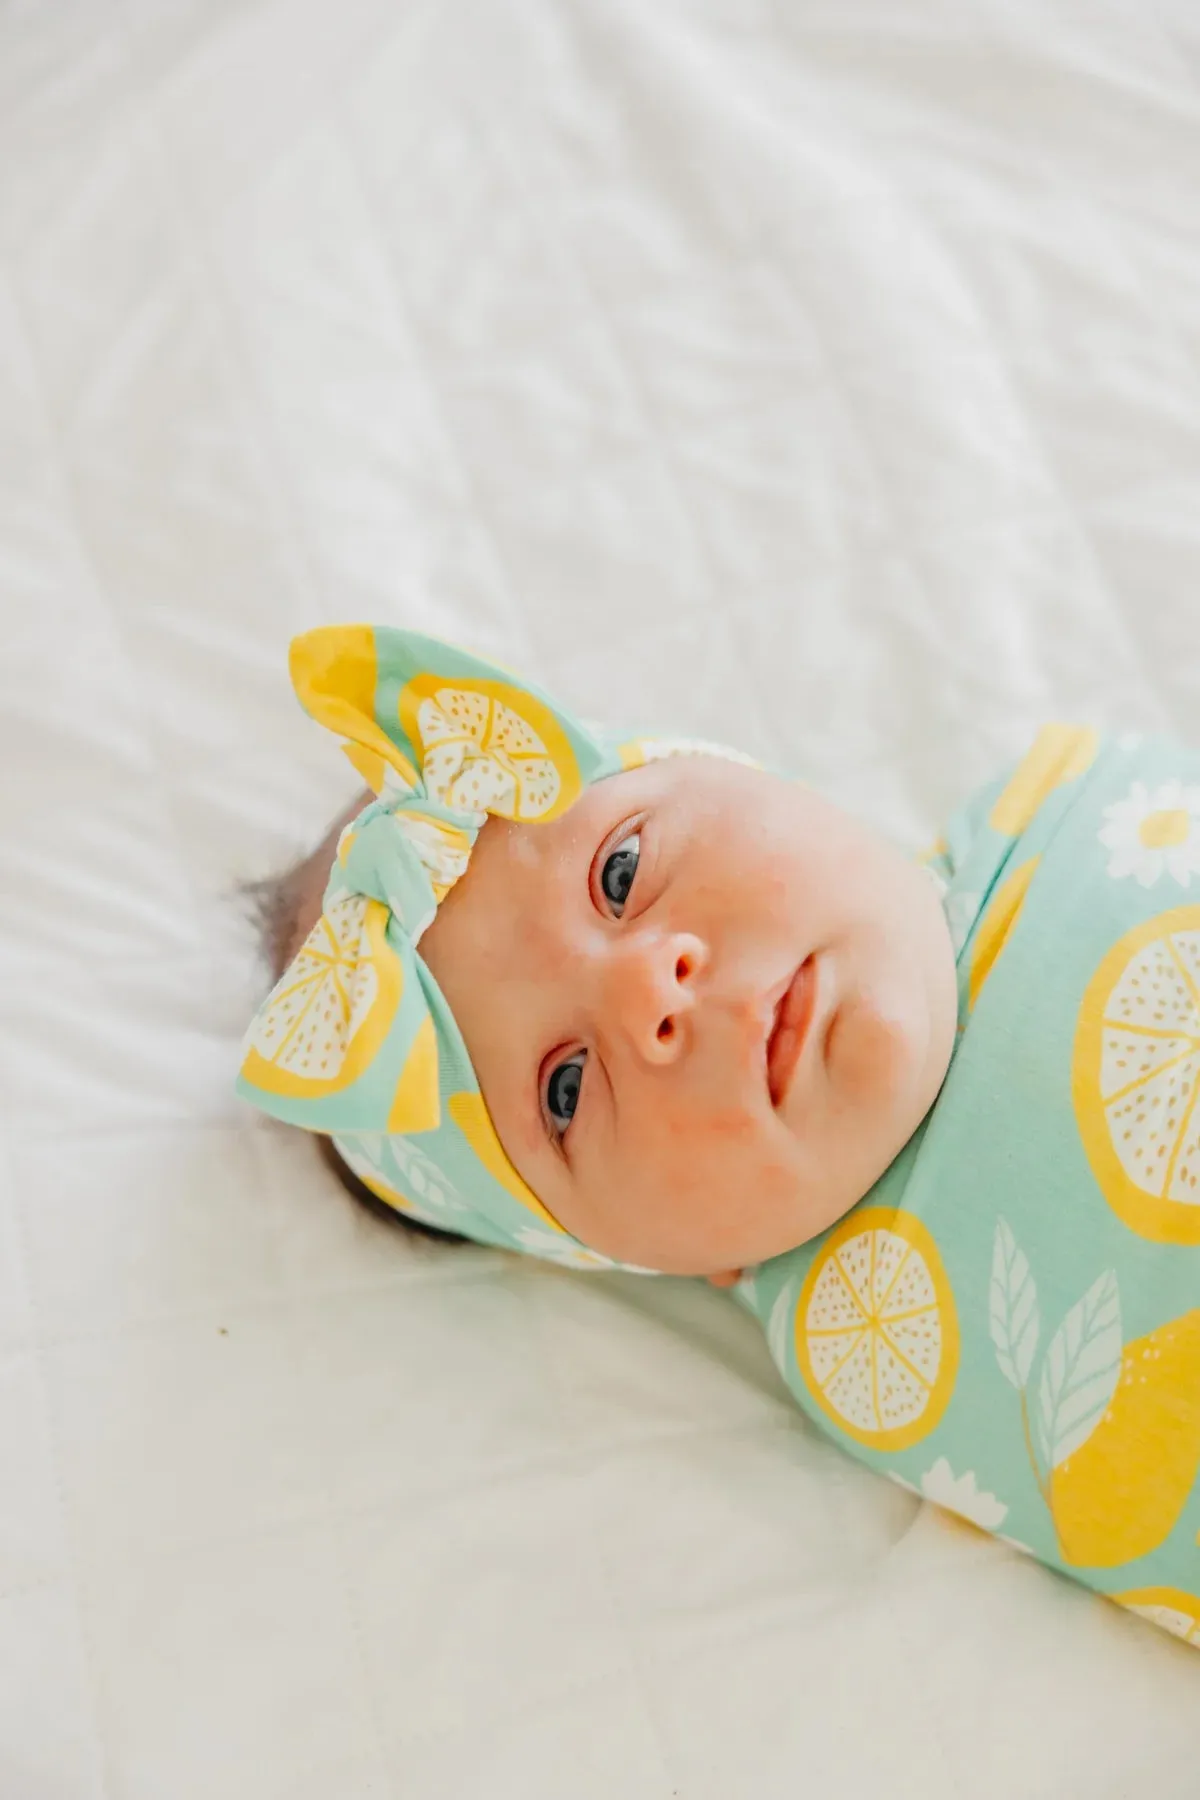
[694,1132]
[729,1125]
[869,1047]
[717,1159]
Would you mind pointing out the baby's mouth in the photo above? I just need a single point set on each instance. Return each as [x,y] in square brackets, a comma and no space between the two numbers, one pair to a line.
[789,1029]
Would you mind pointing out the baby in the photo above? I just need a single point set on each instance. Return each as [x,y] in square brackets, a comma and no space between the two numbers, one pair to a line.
[642,1003]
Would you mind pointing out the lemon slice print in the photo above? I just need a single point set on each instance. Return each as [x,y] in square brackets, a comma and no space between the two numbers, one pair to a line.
[326,1019]
[1120,1494]
[1175,1611]
[487,746]
[1135,1077]
[876,1330]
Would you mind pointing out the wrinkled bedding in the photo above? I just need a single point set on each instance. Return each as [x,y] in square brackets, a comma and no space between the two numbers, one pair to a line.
[824,377]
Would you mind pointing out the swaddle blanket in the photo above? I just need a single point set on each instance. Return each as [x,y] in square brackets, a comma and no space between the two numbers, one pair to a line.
[1010,1320]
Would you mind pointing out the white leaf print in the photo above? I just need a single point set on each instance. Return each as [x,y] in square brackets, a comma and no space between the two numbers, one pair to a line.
[962,1494]
[777,1330]
[1080,1372]
[1013,1308]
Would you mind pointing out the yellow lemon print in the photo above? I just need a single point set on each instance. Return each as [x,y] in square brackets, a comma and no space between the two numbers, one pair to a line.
[1135,1077]
[326,1019]
[1058,754]
[876,1329]
[369,764]
[474,1121]
[1120,1494]
[1175,1611]
[415,1104]
[334,674]
[489,747]
[998,925]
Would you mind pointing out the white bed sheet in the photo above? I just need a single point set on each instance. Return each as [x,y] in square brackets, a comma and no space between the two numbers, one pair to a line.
[825,376]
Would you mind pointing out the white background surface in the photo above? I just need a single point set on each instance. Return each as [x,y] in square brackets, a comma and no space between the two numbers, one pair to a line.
[824,376]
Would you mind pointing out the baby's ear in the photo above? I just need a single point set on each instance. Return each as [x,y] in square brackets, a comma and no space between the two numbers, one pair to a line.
[726,1279]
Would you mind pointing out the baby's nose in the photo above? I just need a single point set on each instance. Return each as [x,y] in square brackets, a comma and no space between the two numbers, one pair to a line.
[654,990]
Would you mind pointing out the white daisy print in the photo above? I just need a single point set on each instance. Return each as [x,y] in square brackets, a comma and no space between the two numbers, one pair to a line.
[1152,832]
[959,1494]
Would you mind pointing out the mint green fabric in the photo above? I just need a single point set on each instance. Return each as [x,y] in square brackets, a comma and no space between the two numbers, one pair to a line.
[1008,1322]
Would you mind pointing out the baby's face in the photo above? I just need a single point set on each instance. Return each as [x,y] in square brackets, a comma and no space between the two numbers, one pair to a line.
[634,981]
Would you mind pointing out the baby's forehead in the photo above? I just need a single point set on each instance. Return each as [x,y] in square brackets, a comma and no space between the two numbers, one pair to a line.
[534,838]
[522,871]
[605,802]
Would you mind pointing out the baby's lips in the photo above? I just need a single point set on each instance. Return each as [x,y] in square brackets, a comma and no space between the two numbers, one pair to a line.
[789,1032]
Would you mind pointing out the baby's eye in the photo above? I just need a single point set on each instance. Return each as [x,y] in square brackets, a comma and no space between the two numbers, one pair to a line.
[562,1091]
[620,867]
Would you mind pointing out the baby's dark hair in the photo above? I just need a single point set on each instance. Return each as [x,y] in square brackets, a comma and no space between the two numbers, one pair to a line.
[284,909]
